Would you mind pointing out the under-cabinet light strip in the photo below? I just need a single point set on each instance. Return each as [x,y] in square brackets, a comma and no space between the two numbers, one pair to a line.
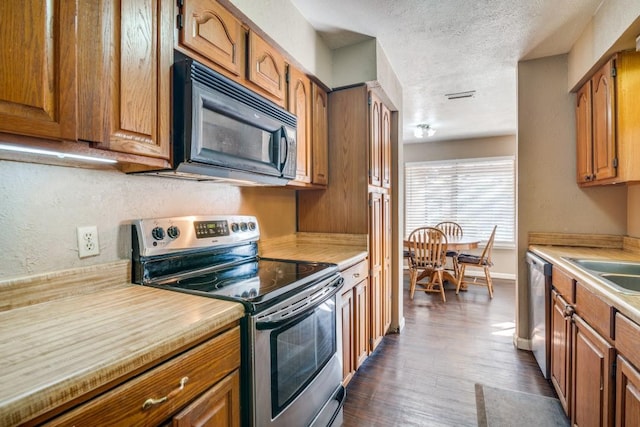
[58,154]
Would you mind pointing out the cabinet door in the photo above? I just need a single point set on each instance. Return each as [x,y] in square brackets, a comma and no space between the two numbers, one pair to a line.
[210,30]
[375,268]
[584,140]
[266,68]
[38,68]
[124,77]
[604,144]
[560,350]
[300,105]
[218,407]
[385,135]
[386,263]
[319,136]
[348,336]
[627,394]
[375,140]
[361,306]
[592,384]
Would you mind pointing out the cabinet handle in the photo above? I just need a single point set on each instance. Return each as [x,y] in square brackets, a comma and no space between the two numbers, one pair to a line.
[568,311]
[356,275]
[152,402]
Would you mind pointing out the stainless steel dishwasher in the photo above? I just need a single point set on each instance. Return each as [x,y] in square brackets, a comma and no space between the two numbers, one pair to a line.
[539,310]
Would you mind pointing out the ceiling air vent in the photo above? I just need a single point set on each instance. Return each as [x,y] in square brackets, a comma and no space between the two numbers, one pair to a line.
[459,95]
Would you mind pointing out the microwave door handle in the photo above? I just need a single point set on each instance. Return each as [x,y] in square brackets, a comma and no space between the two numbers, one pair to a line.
[283,137]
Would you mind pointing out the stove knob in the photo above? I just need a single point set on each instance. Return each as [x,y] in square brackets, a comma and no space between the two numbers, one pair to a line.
[252,226]
[158,233]
[234,227]
[253,292]
[245,294]
[173,232]
[243,226]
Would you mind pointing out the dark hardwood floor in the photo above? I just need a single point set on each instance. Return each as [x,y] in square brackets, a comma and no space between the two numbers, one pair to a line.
[425,375]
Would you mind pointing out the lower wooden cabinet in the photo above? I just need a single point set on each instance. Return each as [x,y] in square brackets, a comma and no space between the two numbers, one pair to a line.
[220,406]
[593,383]
[560,350]
[627,371]
[355,319]
[627,394]
[198,387]
[582,352]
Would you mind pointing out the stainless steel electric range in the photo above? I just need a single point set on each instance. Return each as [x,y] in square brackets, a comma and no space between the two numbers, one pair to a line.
[291,367]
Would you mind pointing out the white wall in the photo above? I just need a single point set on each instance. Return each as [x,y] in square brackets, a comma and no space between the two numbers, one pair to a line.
[42,206]
[614,27]
[504,258]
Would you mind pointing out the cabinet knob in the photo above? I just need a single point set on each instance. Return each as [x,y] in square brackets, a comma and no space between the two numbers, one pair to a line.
[569,311]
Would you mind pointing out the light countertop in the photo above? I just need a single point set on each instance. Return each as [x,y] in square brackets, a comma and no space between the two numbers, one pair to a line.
[342,249]
[55,351]
[627,304]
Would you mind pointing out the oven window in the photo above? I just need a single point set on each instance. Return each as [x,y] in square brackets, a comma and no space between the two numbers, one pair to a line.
[299,351]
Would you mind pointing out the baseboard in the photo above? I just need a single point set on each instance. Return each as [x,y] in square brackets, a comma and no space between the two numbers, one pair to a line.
[521,343]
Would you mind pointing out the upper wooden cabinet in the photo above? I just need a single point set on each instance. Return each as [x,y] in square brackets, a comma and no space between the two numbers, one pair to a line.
[38,70]
[124,75]
[385,138]
[266,68]
[319,136]
[209,29]
[375,140]
[309,103]
[96,72]
[300,98]
[606,123]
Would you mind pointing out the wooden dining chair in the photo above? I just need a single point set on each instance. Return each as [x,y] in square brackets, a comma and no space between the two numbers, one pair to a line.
[451,229]
[483,261]
[427,259]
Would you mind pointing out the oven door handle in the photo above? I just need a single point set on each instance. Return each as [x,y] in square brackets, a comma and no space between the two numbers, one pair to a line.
[269,324]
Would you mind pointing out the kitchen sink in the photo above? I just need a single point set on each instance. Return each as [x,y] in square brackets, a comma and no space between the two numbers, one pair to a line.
[622,276]
[629,282]
[616,267]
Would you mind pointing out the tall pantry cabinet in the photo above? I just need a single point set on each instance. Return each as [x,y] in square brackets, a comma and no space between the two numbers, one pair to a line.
[357,199]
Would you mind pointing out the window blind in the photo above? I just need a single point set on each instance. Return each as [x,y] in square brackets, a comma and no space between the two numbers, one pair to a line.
[475,193]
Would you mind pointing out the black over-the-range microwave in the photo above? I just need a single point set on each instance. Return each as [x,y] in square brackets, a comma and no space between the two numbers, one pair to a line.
[222,131]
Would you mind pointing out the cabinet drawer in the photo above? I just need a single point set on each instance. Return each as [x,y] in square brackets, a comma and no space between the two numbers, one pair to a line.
[354,274]
[594,311]
[564,284]
[628,339]
[203,366]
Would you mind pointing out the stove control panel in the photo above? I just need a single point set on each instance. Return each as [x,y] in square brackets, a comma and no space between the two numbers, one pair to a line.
[157,236]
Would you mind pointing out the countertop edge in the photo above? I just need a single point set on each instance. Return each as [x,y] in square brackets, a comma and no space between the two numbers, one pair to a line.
[626,304]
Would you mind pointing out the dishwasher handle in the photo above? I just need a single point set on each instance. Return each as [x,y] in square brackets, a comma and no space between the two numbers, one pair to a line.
[534,261]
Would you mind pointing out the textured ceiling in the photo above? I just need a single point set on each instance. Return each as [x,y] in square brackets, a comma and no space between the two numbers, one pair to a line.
[437,47]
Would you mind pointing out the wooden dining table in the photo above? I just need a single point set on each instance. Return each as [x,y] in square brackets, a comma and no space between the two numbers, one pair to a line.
[454,243]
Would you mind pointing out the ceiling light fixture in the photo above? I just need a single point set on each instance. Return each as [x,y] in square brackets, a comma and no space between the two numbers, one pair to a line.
[421,129]
[459,95]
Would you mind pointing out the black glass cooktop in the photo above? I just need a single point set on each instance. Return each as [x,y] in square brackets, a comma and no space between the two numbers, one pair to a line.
[254,282]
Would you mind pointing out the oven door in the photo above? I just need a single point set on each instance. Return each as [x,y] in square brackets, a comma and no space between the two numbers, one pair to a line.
[297,366]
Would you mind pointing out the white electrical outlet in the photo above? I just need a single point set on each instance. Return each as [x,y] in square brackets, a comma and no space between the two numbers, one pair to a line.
[88,241]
